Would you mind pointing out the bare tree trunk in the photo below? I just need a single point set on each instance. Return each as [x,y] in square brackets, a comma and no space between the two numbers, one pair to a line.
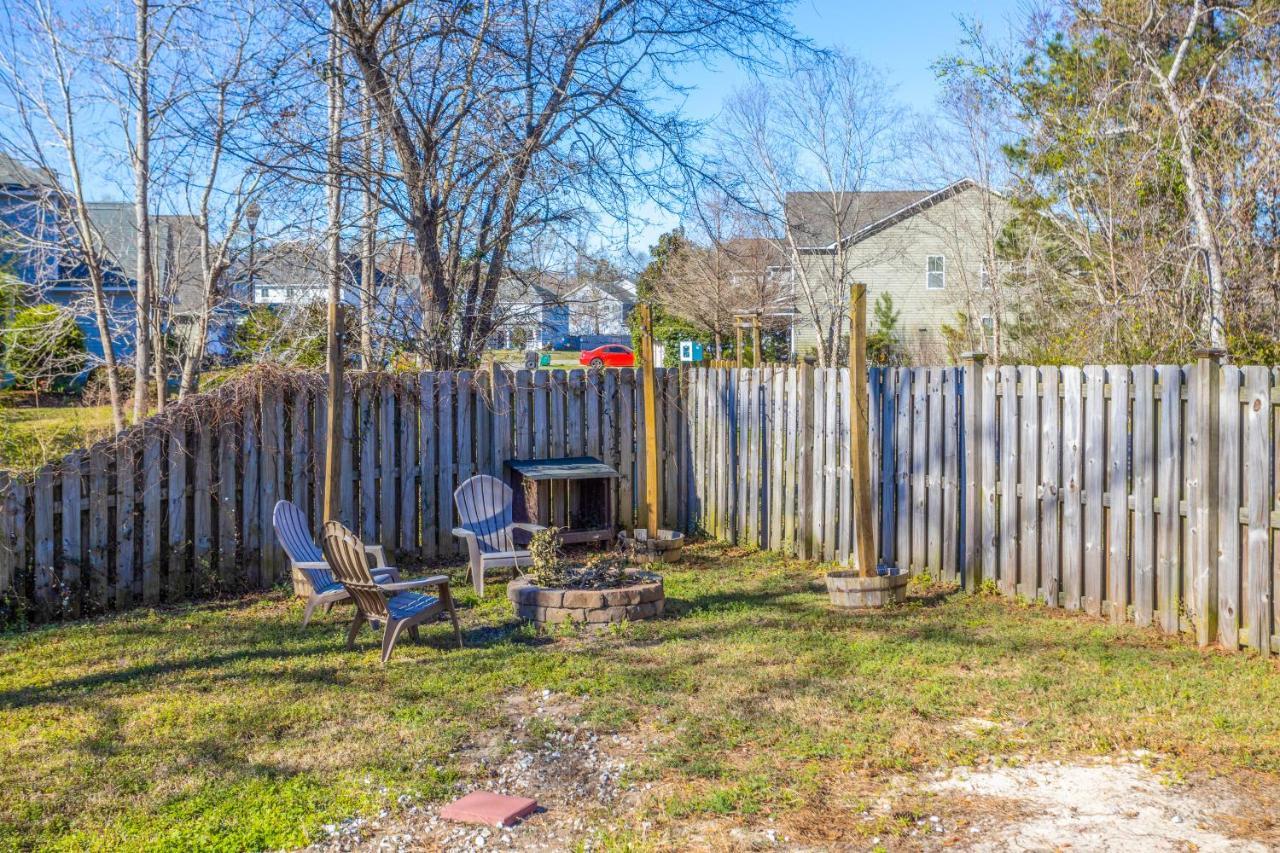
[141,187]
[334,413]
[1206,236]
[368,271]
[93,259]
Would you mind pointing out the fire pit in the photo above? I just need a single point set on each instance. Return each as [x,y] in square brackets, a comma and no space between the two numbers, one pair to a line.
[598,589]
[641,598]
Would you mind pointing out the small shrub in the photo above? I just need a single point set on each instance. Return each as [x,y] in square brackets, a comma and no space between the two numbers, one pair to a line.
[550,567]
[43,348]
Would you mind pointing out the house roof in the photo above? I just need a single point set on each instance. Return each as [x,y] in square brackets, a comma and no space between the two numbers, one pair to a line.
[622,289]
[15,173]
[175,243]
[292,262]
[514,290]
[818,219]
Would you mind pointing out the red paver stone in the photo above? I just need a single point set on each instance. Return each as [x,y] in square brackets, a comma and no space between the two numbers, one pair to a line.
[492,809]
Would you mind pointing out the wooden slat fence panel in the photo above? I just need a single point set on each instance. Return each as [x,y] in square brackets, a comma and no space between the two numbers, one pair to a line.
[1086,480]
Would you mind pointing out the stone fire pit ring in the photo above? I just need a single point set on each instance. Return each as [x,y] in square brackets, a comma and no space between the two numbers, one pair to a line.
[643,599]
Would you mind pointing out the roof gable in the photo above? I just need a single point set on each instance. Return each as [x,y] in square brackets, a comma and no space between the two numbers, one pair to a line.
[863,214]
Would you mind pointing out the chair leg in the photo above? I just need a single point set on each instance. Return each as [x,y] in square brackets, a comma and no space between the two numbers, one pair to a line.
[389,637]
[446,597]
[477,577]
[356,624]
[311,608]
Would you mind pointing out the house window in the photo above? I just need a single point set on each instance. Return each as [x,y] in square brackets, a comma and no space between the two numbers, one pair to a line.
[988,326]
[935,277]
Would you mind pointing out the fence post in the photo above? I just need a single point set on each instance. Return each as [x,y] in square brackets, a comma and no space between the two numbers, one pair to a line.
[1204,556]
[804,461]
[971,404]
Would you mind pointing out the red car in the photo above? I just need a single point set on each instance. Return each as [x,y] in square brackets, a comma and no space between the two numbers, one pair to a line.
[609,355]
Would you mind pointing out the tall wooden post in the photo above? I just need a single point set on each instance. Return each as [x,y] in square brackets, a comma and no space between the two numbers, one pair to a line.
[1204,521]
[860,451]
[649,380]
[737,341]
[972,404]
[333,416]
[755,341]
[335,313]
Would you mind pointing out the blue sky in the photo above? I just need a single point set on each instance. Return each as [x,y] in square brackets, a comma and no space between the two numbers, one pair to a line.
[902,39]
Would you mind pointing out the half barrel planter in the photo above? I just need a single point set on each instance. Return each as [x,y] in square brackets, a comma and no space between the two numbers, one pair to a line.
[643,599]
[666,547]
[851,591]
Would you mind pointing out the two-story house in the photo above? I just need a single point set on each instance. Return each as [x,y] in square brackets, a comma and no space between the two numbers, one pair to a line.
[929,250]
[39,246]
[600,308]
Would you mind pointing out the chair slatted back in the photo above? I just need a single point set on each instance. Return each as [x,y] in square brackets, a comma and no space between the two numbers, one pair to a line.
[346,557]
[295,537]
[484,505]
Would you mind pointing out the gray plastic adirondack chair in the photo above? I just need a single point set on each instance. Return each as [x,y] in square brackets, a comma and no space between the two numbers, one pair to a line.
[293,532]
[396,605]
[484,507]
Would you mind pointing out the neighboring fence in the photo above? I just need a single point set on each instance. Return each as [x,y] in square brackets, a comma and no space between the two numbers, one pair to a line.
[180,506]
[1144,493]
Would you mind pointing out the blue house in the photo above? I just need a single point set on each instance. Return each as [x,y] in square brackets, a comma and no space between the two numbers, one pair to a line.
[40,247]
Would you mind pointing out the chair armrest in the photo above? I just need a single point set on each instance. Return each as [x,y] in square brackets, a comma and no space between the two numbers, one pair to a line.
[379,556]
[399,586]
[463,533]
[313,565]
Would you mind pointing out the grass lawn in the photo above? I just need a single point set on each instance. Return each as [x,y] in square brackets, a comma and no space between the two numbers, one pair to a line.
[30,436]
[226,726]
[566,360]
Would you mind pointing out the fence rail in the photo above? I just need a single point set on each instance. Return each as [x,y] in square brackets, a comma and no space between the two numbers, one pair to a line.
[180,506]
[1143,493]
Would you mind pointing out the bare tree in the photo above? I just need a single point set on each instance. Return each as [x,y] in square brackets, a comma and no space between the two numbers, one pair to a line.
[212,121]
[43,79]
[966,139]
[499,118]
[1143,141]
[723,269]
[826,128]
[1188,79]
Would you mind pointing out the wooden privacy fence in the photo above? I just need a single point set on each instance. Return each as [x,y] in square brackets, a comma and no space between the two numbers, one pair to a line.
[180,506]
[1146,493]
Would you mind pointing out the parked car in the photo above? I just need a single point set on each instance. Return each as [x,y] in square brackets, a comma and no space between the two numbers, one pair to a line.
[609,355]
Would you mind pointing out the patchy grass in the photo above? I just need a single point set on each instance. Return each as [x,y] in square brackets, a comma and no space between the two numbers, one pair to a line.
[226,726]
[515,357]
[31,436]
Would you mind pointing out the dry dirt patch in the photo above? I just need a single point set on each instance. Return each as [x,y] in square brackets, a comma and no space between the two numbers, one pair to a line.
[1103,806]
[576,773]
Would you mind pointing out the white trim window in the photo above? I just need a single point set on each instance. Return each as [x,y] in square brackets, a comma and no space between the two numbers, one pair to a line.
[935,272]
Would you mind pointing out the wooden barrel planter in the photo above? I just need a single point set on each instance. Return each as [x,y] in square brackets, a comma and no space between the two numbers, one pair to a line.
[666,547]
[643,599]
[850,590]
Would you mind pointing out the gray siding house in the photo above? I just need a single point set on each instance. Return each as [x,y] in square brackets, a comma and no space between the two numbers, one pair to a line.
[927,249]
